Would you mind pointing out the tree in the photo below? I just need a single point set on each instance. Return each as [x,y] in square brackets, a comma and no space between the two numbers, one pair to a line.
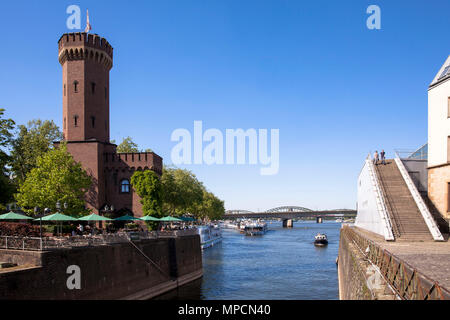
[127,146]
[148,186]
[6,186]
[56,177]
[181,191]
[210,207]
[31,142]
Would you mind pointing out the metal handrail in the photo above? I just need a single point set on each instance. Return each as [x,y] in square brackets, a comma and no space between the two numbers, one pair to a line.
[381,203]
[48,243]
[425,212]
[21,243]
[407,281]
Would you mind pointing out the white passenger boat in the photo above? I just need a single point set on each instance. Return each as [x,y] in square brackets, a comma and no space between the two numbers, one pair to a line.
[209,235]
[320,240]
[255,229]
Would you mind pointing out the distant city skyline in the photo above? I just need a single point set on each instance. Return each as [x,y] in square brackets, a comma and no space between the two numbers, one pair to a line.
[335,89]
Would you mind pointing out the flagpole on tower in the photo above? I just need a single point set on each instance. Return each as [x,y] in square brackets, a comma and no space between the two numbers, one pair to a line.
[88,25]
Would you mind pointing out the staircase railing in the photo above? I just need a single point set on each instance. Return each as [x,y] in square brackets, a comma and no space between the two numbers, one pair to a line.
[381,201]
[425,212]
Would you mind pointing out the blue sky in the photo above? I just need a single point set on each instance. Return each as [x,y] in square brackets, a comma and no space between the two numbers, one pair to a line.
[335,89]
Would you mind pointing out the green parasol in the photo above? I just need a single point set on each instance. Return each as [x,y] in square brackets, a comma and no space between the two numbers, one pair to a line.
[149,218]
[94,217]
[170,219]
[14,216]
[56,217]
[187,219]
[126,218]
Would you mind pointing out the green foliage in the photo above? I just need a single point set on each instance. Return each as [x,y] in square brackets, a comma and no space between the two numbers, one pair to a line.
[127,146]
[56,177]
[210,207]
[6,185]
[148,187]
[31,142]
[183,193]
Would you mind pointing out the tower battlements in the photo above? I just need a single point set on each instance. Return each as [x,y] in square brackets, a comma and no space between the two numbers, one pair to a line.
[81,45]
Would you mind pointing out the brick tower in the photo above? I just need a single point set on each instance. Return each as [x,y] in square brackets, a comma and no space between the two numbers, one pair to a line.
[86,60]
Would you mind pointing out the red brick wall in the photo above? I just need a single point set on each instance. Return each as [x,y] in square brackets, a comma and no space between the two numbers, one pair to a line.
[107,272]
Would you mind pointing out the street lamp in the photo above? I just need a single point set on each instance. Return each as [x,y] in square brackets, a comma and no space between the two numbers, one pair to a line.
[36,211]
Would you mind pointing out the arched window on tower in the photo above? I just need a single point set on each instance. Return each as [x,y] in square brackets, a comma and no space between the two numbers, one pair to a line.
[75,120]
[75,86]
[93,122]
[125,186]
[64,89]
[93,87]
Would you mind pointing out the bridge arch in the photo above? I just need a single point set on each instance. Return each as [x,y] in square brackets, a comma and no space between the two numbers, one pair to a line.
[238,211]
[288,209]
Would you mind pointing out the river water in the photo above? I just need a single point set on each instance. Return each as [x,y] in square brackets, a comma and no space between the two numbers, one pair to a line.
[282,264]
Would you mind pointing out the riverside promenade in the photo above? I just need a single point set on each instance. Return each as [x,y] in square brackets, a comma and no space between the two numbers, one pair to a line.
[371,268]
[430,258]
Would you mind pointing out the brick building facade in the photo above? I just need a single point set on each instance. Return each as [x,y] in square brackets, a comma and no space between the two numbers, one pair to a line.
[86,60]
[439,140]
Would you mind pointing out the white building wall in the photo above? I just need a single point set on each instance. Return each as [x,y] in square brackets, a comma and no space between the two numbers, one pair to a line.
[368,216]
[438,121]
[418,172]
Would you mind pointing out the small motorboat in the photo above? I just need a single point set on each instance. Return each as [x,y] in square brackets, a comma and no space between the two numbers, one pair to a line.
[320,240]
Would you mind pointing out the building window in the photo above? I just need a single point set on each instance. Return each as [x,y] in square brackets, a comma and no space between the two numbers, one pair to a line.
[75,121]
[64,90]
[75,86]
[64,122]
[125,186]
[93,122]
[448,108]
[93,87]
[448,196]
[448,149]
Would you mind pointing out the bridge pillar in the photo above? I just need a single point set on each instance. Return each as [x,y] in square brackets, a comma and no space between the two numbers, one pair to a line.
[319,219]
[288,223]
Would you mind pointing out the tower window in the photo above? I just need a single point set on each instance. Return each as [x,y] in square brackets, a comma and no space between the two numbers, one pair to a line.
[93,122]
[93,87]
[125,186]
[64,123]
[75,121]
[75,86]
[64,90]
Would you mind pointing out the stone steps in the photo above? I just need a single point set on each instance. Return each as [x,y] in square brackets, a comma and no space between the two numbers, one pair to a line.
[409,224]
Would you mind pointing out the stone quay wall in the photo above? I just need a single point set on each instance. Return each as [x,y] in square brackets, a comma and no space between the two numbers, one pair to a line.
[358,279]
[116,271]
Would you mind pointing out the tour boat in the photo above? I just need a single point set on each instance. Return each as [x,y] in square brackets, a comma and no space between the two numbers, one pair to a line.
[242,227]
[255,229]
[209,235]
[320,240]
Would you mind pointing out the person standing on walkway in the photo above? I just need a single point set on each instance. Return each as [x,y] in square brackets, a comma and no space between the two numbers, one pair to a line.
[383,157]
[375,157]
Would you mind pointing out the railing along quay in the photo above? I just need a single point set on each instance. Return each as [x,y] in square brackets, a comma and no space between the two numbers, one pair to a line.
[51,243]
[407,281]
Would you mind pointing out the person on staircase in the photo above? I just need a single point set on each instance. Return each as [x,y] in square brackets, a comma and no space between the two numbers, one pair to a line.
[383,157]
[375,158]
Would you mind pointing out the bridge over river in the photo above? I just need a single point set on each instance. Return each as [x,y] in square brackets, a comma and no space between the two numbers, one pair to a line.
[289,213]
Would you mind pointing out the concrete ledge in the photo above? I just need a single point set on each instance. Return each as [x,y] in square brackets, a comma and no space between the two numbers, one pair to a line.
[164,287]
